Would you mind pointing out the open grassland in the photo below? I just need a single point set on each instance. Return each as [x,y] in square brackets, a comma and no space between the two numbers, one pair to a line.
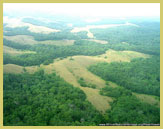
[98,41]
[100,102]
[12,68]
[118,56]
[73,68]
[25,39]
[57,42]
[109,56]
[14,52]
[16,69]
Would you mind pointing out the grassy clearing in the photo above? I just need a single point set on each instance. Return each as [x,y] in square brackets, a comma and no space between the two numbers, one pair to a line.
[98,41]
[73,68]
[12,68]
[100,102]
[58,42]
[80,71]
[25,39]
[148,99]
[70,70]
[32,69]
[118,56]
[109,56]
[14,52]
[16,69]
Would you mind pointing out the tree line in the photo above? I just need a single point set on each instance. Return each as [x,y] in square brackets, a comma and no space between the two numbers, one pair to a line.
[45,54]
[140,75]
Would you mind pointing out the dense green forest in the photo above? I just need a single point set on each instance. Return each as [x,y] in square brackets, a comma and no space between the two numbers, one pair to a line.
[41,99]
[140,75]
[128,109]
[145,37]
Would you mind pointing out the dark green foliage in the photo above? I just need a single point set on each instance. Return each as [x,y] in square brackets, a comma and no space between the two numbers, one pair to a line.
[40,99]
[16,31]
[129,110]
[46,53]
[115,92]
[130,34]
[15,45]
[92,86]
[82,82]
[46,62]
[145,38]
[140,75]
